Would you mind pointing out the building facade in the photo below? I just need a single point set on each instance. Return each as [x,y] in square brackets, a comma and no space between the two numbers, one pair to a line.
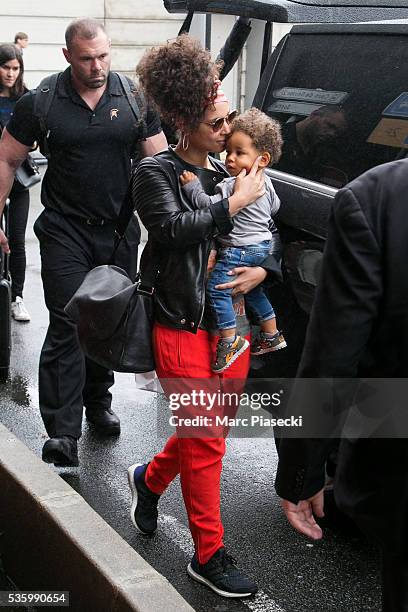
[133,26]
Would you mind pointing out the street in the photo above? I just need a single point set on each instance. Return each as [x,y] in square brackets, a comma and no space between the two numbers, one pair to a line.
[339,573]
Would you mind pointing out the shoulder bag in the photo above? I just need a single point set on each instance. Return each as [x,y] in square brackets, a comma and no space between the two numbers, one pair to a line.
[28,173]
[114,316]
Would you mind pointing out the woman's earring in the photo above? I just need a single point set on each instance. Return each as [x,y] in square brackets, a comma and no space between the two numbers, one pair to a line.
[184,142]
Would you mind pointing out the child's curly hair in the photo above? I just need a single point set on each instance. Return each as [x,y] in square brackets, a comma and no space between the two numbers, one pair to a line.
[179,77]
[264,132]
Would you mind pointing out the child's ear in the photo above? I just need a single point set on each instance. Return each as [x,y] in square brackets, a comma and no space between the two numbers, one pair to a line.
[265,160]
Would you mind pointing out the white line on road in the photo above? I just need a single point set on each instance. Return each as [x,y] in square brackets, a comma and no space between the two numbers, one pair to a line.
[180,535]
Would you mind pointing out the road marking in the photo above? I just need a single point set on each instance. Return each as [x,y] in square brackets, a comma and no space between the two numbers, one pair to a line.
[262,603]
[180,535]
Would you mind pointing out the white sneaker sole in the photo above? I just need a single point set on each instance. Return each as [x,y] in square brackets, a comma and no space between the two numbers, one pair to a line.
[210,585]
[132,485]
[21,318]
[234,358]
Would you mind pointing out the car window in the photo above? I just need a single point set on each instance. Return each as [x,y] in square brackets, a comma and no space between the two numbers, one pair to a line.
[342,101]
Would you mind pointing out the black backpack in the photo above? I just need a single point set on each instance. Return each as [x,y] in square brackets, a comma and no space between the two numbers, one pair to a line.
[45,94]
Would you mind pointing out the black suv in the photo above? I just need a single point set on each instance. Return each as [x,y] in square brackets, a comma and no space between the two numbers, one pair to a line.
[340,92]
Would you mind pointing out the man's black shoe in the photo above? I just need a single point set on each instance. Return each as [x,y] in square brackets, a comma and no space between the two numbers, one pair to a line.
[62,451]
[143,511]
[222,576]
[104,420]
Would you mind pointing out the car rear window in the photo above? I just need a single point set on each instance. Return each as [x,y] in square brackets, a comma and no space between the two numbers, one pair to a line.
[342,101]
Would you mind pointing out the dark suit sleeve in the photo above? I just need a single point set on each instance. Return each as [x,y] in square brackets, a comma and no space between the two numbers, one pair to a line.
[344,314]
[273,268]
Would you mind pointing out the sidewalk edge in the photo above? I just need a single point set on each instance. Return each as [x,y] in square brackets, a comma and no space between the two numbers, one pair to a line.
[52,539]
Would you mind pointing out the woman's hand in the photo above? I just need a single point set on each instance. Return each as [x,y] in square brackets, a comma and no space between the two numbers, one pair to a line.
[212,260]
[246,279]
[247,188]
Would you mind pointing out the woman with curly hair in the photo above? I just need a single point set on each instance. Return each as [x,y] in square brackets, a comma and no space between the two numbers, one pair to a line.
[11,89]
[181,79]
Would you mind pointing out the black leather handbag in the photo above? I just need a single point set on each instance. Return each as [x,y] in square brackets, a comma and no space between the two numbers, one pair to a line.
[28,173]
[114,316]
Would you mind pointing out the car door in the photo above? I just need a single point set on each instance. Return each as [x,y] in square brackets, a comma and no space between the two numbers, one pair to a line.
[340,93]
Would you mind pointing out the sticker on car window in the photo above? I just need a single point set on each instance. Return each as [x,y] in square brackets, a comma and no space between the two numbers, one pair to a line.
[398,107]
[390,132]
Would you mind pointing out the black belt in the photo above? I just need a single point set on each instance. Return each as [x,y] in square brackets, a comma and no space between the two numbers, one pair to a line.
[93,221]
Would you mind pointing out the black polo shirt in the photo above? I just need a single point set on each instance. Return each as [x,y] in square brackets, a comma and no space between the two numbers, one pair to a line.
[90,150]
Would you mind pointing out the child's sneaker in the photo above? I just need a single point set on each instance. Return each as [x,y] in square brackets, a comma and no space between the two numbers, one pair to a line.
[227,353]
[262,344]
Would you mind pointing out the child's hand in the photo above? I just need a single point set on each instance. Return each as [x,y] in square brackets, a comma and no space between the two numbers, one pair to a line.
[187,177]
[212,260]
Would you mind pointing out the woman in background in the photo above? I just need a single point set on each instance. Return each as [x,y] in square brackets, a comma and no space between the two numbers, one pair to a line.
[11,89]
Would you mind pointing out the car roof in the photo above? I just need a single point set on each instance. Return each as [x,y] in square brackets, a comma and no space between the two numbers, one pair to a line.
[298,11]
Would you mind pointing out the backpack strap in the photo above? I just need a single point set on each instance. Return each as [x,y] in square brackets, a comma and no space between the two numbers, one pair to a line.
[136,101]
[44,95]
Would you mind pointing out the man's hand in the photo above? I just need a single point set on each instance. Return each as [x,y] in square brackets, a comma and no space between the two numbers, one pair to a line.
[4,245]
[300,515]
[246,279]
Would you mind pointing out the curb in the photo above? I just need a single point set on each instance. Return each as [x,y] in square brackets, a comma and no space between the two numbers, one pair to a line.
[51,539]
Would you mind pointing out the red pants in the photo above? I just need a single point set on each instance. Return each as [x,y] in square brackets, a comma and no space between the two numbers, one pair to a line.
[180,354]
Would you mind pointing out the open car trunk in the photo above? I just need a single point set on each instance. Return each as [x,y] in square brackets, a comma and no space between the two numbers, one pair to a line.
[298,11]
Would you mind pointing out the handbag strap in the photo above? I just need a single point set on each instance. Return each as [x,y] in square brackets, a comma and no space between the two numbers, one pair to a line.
[150,258]
[123,220]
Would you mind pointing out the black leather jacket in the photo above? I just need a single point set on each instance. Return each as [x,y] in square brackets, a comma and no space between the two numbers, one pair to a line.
[179,235]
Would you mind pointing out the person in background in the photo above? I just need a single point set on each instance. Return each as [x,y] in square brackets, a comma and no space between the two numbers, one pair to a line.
[92,136]
[11,89]
[253,136]
[21,41]
[311,145]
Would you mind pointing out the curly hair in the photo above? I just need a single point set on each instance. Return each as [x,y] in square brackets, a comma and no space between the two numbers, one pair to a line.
[264,132]
[179,78]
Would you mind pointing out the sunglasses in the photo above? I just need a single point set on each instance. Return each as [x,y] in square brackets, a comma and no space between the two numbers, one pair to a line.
[219,123]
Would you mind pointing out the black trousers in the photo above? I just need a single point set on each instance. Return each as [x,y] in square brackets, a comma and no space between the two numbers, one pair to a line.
[395,582]
[18,216]
[67,380]
[371,486]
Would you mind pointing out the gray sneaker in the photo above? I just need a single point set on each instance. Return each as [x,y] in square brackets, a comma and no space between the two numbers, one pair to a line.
[227,353]
[262,345]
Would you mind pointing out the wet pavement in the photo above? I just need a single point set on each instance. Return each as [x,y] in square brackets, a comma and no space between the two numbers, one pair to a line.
[338,574]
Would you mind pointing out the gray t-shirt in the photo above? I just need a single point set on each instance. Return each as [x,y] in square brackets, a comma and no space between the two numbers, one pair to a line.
[252,224]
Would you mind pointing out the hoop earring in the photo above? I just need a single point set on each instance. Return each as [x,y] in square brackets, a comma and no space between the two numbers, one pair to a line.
[185,142]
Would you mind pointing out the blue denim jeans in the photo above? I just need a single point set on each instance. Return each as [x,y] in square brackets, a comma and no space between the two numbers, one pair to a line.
[220,300]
